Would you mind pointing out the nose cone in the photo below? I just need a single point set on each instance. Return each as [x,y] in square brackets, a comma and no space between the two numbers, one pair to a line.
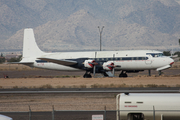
[171,61]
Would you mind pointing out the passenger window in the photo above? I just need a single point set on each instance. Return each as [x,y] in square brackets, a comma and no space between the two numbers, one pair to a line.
[128,102]
[139,102]
[139,58]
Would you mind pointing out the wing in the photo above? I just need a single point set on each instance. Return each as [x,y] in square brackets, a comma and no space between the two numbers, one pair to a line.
[61,62]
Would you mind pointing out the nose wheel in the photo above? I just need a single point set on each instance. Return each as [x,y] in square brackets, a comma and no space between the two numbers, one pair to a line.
[160,73]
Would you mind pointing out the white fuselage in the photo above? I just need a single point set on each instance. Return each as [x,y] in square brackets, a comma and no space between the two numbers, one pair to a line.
[147,64]
[161,106]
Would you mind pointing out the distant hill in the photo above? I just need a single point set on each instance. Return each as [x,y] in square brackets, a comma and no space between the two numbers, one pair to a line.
[72,25]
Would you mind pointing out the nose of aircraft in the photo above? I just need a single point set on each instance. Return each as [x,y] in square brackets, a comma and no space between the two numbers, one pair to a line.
[171,61]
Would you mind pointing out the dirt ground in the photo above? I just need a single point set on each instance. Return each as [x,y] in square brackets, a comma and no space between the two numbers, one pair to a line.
[88,82]
[44,102]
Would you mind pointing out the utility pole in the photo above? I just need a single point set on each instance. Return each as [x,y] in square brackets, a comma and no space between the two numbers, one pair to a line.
[100,31]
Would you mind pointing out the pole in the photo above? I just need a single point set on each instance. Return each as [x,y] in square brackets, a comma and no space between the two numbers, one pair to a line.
[53,112]
[149,72]
[154,113]
[104,112]
[29,112]
[100,32]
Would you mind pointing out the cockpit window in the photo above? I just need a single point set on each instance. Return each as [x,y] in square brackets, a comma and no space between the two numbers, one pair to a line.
[155,54]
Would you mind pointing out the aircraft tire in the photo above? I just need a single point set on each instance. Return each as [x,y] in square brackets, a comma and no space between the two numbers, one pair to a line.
[105,75]
[123,75]
[87,76]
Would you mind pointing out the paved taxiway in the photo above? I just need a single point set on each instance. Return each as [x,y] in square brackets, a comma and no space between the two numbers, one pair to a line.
[112,91]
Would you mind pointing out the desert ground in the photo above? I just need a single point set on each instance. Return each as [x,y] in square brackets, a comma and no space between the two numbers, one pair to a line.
[80,82]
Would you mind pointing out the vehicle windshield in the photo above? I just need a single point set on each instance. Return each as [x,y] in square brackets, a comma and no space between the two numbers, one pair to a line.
[155,54]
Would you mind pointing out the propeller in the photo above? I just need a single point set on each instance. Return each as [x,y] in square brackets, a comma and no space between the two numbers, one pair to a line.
[94,67]
[113,71]
[114,66]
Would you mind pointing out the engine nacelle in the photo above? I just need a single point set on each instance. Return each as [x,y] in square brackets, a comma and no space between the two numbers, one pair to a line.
[108,65]
[89,63]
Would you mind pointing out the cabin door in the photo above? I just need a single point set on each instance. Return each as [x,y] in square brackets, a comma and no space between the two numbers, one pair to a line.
[149,60]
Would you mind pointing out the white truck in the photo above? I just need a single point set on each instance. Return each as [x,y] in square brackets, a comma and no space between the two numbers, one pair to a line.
[148,106]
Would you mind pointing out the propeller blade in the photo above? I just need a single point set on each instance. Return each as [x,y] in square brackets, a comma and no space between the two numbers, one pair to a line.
[95,63]
[113,72]
[94,70]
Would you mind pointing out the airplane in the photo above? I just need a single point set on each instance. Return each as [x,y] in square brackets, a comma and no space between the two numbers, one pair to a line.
[104,62]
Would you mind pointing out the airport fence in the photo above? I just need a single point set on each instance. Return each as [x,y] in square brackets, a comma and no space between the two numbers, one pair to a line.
[63,115]
[75,114]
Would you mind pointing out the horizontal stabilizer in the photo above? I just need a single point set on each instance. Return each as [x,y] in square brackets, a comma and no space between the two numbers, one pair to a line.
[30,64]
[61,62]
[20,62]
[24,63]
[174,56]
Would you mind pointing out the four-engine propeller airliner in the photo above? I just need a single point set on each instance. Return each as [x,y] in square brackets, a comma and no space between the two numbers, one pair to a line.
[105,62]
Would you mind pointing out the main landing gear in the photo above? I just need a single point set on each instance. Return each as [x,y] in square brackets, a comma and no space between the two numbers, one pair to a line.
[160,73]
[87,75]
[123,74]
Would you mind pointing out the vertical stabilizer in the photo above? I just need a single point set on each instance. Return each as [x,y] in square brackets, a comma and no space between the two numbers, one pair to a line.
[30,48]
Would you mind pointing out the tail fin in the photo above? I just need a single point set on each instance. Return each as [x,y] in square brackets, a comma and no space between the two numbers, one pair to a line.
[30,48]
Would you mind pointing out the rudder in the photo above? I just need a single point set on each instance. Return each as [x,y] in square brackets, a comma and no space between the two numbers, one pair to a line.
[30,48]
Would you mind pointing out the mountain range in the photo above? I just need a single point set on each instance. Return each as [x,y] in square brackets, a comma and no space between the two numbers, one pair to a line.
[72,25]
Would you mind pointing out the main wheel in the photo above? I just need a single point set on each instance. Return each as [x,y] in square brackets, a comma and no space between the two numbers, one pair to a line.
[87,76]
[123,74]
